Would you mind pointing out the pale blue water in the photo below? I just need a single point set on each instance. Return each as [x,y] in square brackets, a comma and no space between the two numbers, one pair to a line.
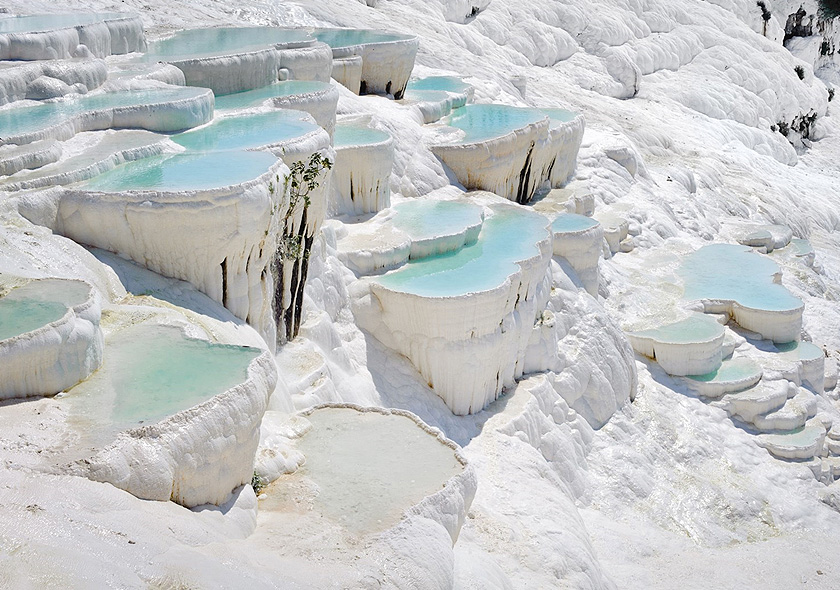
[481,122]
[350,135]
[369,467]
[571,222]
[422,219]
[734,369]
[252,98]
[558,116]
[736,273]
[445,83]
[37,304]
[804,436]
[16,121]
[337,38]
[801,351]
[48,22]
[801,246]
[196,43]
[696,328]
[509,235]
[150,372]
[186,171]
[246,131]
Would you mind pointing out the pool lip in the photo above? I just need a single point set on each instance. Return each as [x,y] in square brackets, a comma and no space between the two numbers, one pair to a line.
[574,232]
[646,334]
[70,312]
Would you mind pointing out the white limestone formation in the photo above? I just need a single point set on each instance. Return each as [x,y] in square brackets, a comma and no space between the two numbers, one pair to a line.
[227,252]
[347,71]
[387,61]
[321,104]
[196,456]
[579,242]
[50,79]
[50,358]
[693,346]
[62,36]
[362,172]
[163,110]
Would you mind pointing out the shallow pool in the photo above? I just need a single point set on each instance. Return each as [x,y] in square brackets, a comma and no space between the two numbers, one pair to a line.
[572,222]
[696,328]
[19,120]
[150,372]
[735,273]
[445,83]
[481,122]
[558,116]
[247,131]
[800,351]
[370,467]
[731,370]
[252,98]
[38,303]
[184,171]
[350,135]
[424,219]
[507,236]
[198,43]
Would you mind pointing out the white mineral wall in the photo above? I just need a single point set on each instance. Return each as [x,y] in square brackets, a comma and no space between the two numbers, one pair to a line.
[227,74]
[386,66]
[567,137]
[582,250]
[123,35]
[313,62]
[14,159]
[486,331]
[197,456]
[691,358]
[321,105]
[512,166]
[166,117]
[17,83]
[195,236]
[55,357]
[239,72]
[347,71]
[361,178]
[778,326]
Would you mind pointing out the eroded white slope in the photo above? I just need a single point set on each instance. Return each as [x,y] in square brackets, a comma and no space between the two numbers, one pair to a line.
[692,148]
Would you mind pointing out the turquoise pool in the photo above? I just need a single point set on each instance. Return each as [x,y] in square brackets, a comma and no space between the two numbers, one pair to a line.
[572,222]
[151,372]
[445,83]
[507,236]
[481,122]
[252,98]
[38,303]
[246,131]
[696,328]
[423,219]
[350,135]
[732,370]
[735,273]
[337,38]
[20,120]
[49,22]
[212,42]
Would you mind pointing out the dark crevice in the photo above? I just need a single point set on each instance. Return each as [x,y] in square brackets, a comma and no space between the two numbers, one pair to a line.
[522,193]
[363,87]
[224,281]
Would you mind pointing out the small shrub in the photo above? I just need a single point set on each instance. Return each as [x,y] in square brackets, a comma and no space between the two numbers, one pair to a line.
[258,483]
[800,71]
[825,47]
[765,14]
[784,128]
[830,94]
